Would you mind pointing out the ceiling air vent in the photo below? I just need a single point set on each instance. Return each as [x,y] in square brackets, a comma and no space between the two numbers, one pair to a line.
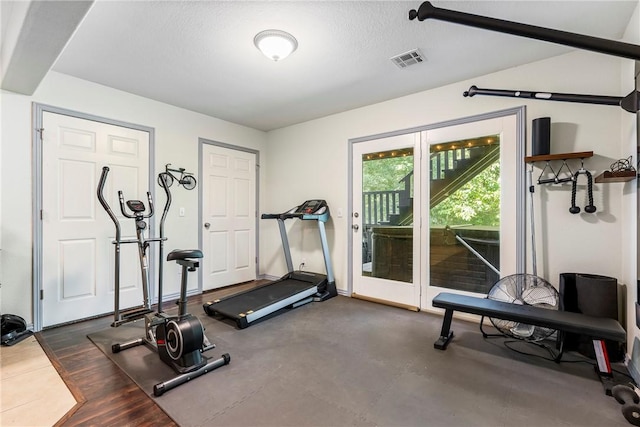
[408,58]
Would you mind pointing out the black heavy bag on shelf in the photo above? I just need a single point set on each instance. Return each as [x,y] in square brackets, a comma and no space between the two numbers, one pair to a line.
[14,329]
[592,295]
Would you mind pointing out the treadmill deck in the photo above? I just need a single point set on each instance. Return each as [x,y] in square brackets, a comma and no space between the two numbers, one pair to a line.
[250,305]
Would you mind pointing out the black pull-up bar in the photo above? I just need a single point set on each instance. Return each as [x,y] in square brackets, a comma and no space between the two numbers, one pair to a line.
[630,103]
[610,47]
[547,96]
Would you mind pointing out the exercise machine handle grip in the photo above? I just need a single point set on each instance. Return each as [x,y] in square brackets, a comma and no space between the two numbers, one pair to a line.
[150,199]
[103,202]
[165,186]
[271,216]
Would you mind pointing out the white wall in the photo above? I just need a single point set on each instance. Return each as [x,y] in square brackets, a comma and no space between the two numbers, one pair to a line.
[176,141]
[315,153]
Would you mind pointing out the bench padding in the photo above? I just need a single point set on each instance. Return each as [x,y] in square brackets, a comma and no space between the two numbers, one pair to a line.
[565,321]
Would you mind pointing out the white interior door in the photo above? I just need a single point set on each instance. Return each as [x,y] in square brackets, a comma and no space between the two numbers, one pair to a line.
[229,216]
[386,199]
[77,250]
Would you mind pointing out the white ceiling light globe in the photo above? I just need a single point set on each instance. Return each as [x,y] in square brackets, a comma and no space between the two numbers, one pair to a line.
[275,44]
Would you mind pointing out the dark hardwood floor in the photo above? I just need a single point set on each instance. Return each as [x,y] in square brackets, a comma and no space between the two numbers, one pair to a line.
[106,396]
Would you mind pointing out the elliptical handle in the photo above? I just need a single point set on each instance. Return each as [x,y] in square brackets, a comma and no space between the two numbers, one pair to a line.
[150,199]
[103,201]
[123,209]
[167,204]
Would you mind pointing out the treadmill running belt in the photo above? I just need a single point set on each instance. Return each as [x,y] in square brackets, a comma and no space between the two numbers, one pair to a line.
[239,305]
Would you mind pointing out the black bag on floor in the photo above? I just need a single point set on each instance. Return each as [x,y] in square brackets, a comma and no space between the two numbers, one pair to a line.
[14,329]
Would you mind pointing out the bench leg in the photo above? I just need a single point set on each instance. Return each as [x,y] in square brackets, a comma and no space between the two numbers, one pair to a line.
[486,335]
[445,334]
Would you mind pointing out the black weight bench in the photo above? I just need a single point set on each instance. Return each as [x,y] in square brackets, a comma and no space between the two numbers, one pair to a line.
[562,321]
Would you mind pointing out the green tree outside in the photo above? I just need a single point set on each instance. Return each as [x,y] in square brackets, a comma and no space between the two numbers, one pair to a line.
[477,202]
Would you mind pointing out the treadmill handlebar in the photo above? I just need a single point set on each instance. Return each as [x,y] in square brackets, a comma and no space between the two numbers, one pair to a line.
[271,216]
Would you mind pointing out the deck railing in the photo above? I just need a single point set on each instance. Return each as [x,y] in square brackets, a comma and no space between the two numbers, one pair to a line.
[378,206]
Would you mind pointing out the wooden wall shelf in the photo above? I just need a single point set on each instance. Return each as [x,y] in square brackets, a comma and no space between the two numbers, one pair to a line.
[621,176]
[561,156]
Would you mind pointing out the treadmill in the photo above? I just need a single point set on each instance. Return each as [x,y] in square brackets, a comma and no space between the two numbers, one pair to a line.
[292,290]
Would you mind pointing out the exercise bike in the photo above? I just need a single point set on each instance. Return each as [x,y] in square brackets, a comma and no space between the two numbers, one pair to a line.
[178,339]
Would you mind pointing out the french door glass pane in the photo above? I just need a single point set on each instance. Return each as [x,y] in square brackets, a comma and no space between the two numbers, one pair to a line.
[387,209]
[464,212]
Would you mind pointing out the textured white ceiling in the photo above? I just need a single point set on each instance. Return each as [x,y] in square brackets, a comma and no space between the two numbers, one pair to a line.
[199,55]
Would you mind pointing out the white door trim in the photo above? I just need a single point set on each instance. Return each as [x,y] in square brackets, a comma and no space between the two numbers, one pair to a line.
[201,143]
[518,112]
[38,111]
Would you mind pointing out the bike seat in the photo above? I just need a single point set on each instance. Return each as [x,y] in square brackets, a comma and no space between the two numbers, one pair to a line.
[182,254]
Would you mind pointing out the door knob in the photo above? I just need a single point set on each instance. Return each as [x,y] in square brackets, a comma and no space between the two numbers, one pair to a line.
[355,227]
[207,225]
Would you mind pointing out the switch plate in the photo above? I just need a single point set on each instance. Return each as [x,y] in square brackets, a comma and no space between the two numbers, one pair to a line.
[181,211]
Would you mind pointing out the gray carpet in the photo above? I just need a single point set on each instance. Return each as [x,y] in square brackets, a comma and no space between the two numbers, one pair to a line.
[348,362]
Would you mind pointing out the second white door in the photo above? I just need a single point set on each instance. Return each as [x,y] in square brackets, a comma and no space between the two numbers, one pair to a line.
[228,216]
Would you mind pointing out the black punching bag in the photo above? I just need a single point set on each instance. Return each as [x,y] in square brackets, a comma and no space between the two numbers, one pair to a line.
[541,136]
[595,296]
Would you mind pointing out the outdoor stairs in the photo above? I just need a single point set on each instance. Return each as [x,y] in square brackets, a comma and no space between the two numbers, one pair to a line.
[446,180]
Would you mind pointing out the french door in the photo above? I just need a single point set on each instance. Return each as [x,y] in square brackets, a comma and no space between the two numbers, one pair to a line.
[386,193]
[438,209]
[474,233]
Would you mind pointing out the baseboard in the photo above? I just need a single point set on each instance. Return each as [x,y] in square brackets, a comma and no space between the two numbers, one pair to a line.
[385,302]
[268,277]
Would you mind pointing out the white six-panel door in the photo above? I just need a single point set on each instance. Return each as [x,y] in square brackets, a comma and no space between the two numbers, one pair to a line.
[229,216]
[77,250]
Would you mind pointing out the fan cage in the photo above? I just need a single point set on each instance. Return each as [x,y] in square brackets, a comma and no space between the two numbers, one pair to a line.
[524,289]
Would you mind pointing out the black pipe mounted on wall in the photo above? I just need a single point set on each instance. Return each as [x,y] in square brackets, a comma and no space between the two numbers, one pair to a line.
[547,96]
[630,103]
[610,47]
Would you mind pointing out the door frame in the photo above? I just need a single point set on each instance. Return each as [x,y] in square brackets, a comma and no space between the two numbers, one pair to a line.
[518,112]
[201,143]
[38,111]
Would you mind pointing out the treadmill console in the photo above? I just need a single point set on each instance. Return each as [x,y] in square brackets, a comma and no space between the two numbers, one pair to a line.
[317,210]
[311,207]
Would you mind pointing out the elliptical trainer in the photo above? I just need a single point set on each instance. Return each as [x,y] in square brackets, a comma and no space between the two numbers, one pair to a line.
[179,340]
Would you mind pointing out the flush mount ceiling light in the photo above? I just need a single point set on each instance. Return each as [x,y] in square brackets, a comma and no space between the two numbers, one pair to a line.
[275,44]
